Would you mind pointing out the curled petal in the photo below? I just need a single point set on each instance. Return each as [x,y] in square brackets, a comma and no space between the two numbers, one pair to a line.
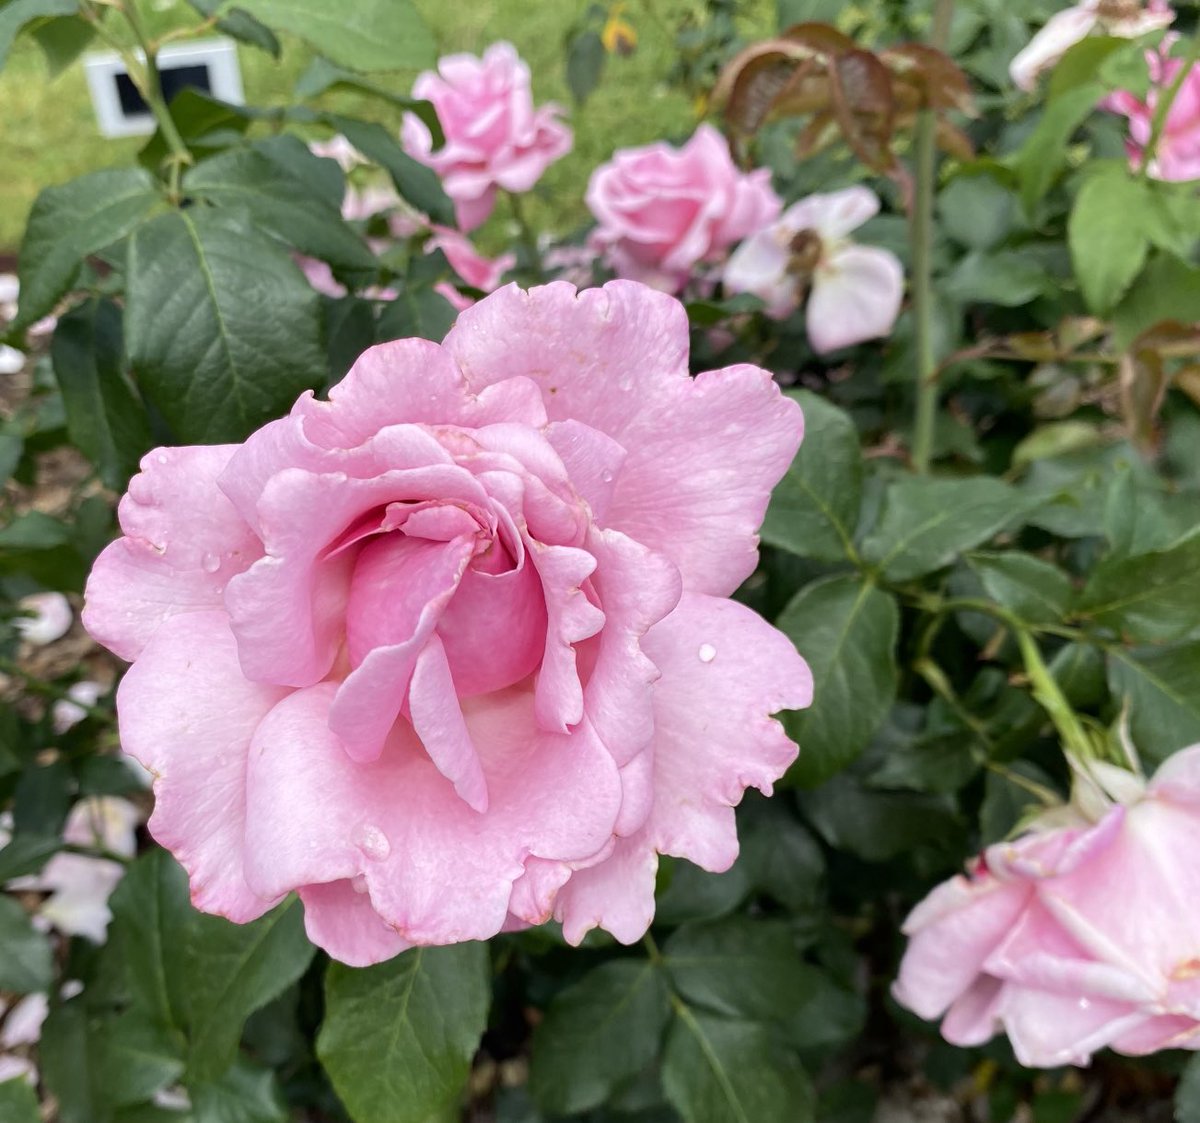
[855,296]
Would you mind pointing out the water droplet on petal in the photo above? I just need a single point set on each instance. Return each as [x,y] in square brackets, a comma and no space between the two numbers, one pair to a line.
[707,653]
[163,458]
[372,842]
[210,563]
[358,883]
[606,476]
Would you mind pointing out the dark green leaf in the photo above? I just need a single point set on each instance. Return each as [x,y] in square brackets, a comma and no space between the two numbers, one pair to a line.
[1084,61]
[415,182]
[846,629]
[105,415]
[1187,1095]
[717,1070]
[368,35]
[137,1059]
[245,1094]
[151,914]
[1009,278]
[17,13]
[282,203]
[63,39]
[1044,153]
[69,1064]
[205,124]
[232,970]
[398,1038]
[927,523]
[322,75]
[585,64]
[1149,598]
[597,1034]
[691,893]
[25,964]
[1006,799]
[741,967]
[878,825]
[1135,521]
[1162,688]
[241,25]
[1168,289]
[814,508]
[42,799]
[18,1103]
[1106,235]
[976,211]
[71,222]
[222,329]
[417,311]
[26,854]
[779,854]
[1033,590]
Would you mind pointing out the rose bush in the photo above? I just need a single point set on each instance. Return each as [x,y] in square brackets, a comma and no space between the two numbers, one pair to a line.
[465,623]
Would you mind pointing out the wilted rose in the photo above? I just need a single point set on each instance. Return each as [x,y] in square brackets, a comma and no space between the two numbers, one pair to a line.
[663,211]
[854,292]
[1074,937]
[494,136]
[453,651]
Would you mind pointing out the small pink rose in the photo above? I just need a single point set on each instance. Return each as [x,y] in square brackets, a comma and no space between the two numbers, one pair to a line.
[495,138]
[854,292]
[1078,936]
[453,651]
[663,211]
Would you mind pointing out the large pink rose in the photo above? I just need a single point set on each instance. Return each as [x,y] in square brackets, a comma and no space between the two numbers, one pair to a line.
[494,136]
[1177,154]
[1073,937]
[453,651]
[663,211]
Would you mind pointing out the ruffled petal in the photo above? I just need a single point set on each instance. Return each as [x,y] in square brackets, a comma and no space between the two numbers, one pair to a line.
[339,918]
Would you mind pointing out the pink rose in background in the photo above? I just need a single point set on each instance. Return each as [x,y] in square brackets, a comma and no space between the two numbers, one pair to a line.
[1177,155]
[1075,937]
[453,651]
[494,136]
[1125,19]
[477,271]
[854,291]
[662,211]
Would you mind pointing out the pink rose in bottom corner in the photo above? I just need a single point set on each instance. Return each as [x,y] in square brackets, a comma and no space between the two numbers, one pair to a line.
[1072,938]
[453,651]
[854,292]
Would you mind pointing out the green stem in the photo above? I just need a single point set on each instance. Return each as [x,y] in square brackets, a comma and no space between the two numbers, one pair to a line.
[1048,695]
[924,188]
[146,77]
[656,956]
[527,236]
[1162,108]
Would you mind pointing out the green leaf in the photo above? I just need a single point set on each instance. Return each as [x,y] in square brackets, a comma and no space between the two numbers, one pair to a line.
[1135,521]
[976,211]
[1168,289]
[814,508]
[68,1064]
[26,854]
[151,914]
[1009,278]
[740,967]
[71,222]
[1149,598]
[322,75]
[1187,1094]
[1033,590]
[25,964]
[367,35]
[137,1058]
[718,1070]
[1108,240]
[398,1038]
[18,1103]
[1045,152]
[927,523]
[63,39]
[597,1034]
[417,311]
[205,124]
[846,629]
[231,971]
[222,329]
[879,825]
[281,203]
[245,1094]
[1084,61]
[1162,688]
[17,13]
[418,184]
[105,415]
[585,63]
